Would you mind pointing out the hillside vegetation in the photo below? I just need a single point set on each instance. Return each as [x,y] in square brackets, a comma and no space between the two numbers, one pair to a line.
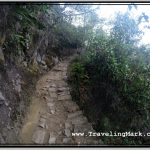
[111,81]
[33,38]
[110,77]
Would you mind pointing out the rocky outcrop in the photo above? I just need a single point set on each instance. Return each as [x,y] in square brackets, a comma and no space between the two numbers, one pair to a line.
[26,51]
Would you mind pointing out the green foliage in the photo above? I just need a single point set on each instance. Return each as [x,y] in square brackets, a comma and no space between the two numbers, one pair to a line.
[125,29]
[111,80]
[78,72]
[118,80]
[27,17]
[24,24]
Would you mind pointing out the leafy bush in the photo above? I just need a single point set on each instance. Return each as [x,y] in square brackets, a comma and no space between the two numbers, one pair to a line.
[118,89]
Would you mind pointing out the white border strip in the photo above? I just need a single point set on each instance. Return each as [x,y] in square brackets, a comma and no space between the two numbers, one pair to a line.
[80,1]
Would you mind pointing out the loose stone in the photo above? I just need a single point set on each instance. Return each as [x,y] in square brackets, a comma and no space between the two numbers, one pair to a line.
[39,136]
[64,97]
[53,94]
[42,122]
[67,140]
[67,132]
[75,114]
[52,139]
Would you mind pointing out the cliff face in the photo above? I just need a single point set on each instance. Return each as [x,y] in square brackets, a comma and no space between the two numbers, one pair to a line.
[16,86]
[27,49]
[20,66]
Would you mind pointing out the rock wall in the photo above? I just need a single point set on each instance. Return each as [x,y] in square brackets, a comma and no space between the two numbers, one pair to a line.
[19,72]
[26,52]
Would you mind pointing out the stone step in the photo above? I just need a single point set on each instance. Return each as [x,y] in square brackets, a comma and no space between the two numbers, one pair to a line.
[50,104]
[64,73]
[68,125]
[52,85]
[67,132]
[53,94]
[85,127]
[63,89]
[78,120]
[70,106]
[42,122]
[52,138]
[57,69]
[67,140]
[2,141]
[64,93]
[64,97]
[50,99]
[63,116]
[61,84]
[39,136]
[52,89]
[75,114]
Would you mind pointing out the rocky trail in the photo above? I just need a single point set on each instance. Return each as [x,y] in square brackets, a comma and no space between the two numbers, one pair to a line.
[53,116]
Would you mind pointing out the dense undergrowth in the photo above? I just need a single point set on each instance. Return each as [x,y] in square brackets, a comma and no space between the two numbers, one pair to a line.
[111,83]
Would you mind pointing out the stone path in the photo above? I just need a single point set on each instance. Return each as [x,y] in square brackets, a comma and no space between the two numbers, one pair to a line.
[53,117]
